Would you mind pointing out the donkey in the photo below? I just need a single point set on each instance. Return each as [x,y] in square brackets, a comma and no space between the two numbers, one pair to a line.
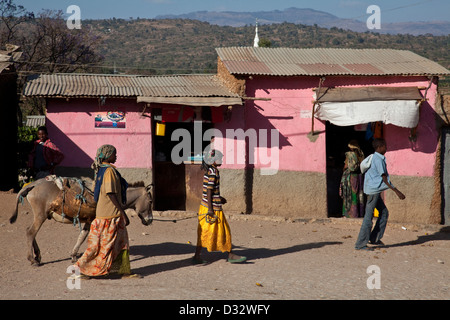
[42,195]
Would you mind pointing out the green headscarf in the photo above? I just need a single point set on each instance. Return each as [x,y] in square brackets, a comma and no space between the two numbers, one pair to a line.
[103,153]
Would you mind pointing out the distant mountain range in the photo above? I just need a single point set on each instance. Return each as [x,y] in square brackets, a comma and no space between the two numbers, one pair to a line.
[311,17]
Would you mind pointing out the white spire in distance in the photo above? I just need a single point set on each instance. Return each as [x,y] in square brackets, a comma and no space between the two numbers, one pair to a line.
[256,41]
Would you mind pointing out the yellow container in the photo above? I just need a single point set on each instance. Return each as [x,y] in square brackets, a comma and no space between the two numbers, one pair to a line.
[160,129]
[375,213]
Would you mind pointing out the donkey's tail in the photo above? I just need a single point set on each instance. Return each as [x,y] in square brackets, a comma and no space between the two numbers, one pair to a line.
[22,193]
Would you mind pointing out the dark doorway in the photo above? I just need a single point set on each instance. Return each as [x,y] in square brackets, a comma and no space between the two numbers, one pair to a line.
[337,139]
[445,165]
[175,185]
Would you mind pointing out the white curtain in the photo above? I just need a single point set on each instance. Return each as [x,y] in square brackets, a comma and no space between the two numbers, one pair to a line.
[402,113]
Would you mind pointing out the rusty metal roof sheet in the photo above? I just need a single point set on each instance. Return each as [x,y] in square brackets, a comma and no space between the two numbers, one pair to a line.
[326,61]
[7,59]
[97,85]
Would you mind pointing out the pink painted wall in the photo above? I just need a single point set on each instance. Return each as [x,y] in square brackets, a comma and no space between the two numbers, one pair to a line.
[232,148]
[289,111]
[71,127]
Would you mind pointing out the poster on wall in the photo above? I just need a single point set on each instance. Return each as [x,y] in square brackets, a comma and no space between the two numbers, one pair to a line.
[110,119]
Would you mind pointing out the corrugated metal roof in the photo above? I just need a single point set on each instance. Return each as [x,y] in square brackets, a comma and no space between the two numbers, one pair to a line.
[193,101]
[97,85]
[326,61]
[4,66]
[35,121]
[370,93]
[7,59]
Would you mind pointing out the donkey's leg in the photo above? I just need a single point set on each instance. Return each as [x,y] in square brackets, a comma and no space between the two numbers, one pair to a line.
[37,252]
[81,238]
[31,239]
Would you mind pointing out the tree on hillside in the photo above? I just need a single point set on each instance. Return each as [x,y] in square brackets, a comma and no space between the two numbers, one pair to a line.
[265,43]
[52,47]
[11,17]
[48,45]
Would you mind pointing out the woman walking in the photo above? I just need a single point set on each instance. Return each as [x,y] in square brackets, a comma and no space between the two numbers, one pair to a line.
[108,247]
[213,231]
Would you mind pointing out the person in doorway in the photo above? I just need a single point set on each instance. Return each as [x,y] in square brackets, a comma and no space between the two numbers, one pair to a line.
[351,187]
[213,231]
[108,247]
[45,155]
[376,181]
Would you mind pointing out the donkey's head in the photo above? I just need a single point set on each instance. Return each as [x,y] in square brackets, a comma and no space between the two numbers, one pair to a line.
[140,199]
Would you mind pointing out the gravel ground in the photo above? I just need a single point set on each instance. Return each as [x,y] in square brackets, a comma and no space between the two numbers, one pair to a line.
[287,260]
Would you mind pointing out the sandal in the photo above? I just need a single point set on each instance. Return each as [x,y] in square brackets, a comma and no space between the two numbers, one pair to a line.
[131,276]
[237,260]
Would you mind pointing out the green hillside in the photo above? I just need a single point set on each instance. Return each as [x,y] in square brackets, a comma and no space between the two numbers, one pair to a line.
[143,46]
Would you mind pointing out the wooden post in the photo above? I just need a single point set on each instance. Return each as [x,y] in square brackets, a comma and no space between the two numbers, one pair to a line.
[322,79]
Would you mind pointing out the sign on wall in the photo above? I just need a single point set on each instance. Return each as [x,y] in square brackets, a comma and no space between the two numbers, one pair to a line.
[110,119]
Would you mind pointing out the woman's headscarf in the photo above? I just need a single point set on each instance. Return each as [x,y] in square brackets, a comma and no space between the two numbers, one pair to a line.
[354,146]
[103,153]
[210,157]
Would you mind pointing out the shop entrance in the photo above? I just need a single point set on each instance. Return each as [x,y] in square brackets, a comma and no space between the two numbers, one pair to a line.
[337,139]
[176,186]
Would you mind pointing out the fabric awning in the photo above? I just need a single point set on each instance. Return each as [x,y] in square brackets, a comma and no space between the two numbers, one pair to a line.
[194,101]
[402,113]
[353,106]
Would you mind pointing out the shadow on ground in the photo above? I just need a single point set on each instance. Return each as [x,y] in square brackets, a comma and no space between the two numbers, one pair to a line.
[169,248]
[442,235]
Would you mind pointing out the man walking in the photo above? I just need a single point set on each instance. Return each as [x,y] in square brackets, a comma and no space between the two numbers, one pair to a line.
[376,180]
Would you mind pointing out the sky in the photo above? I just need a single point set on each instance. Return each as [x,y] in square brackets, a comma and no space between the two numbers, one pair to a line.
[391,10]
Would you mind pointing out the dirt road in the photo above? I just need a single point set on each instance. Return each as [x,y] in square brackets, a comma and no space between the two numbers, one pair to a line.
[287,260]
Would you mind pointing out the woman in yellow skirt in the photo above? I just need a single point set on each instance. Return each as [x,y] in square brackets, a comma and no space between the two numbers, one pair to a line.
[213,231]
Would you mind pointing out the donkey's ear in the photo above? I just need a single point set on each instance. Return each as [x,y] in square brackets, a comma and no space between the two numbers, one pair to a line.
[148,188]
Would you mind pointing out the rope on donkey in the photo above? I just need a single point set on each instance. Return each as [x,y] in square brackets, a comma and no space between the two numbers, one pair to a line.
[82,198]
[210,220]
